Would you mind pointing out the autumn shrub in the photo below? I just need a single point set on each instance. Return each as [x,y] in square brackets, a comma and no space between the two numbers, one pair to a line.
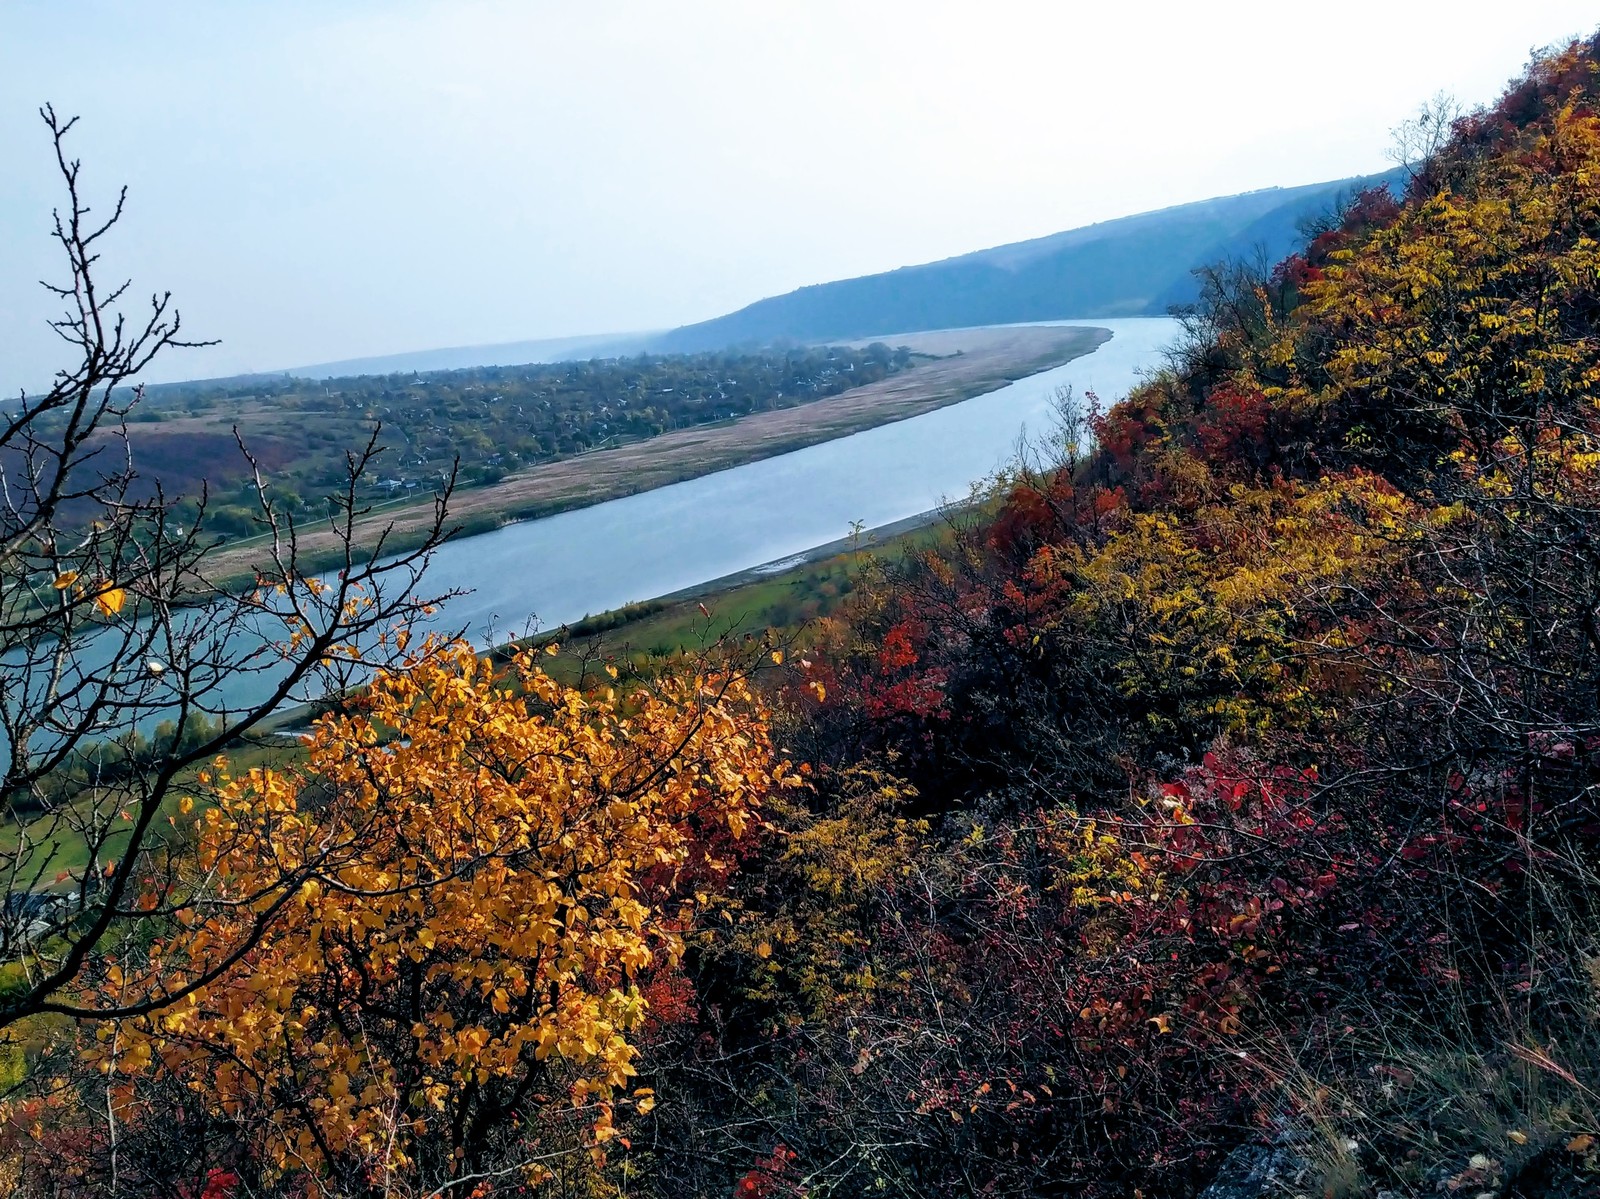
[455,996]
[891,1006]
[1310,636]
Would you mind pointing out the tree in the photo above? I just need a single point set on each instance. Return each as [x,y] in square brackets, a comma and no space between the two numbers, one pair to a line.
[490,868]
[111,626]
[1419,139]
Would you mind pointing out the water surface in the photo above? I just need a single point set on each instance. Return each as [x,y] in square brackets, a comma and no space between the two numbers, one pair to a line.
[552,571]
[555,570]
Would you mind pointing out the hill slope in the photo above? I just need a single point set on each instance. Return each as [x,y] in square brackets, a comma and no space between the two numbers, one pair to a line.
[1134,266]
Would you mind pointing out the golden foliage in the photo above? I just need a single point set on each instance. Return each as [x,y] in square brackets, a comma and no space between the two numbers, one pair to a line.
[491,863]
[1204,602]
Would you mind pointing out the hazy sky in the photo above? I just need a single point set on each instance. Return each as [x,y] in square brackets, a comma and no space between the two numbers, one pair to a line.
[320,180]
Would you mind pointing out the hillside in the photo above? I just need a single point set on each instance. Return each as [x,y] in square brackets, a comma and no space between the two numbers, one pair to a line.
[1220,816]
[1134,266]
[1138,265]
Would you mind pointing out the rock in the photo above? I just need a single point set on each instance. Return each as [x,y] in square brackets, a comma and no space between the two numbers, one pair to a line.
[1258,1170]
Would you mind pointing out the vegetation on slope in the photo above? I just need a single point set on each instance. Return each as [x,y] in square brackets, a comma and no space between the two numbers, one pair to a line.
[1237,782]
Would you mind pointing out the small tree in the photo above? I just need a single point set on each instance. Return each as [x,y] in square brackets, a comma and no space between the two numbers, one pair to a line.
[124,663]
[493,866]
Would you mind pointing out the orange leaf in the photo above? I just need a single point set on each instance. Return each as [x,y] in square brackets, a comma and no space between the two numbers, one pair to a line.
[110,601]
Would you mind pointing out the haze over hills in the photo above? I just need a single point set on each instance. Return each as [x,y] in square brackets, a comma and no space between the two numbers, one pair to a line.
[509,353]
[1137,265]
[1134,266]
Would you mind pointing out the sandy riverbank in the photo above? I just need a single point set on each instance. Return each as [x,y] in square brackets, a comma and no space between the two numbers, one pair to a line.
[970,363]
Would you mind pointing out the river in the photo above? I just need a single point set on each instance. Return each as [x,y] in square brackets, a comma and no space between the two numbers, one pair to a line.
[552,571]
[556,570]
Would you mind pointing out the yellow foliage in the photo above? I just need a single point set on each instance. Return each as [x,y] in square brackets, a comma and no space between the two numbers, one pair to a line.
[460,914]
[806,937]
[1203,601]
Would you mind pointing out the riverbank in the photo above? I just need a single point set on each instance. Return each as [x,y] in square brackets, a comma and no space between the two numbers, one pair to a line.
[778,594]
[969,363]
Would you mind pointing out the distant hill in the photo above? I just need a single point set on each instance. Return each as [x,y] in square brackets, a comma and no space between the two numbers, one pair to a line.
[1134,266]
[510,353]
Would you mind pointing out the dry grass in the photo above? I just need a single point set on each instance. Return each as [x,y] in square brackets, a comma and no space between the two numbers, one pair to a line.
[1494,1091]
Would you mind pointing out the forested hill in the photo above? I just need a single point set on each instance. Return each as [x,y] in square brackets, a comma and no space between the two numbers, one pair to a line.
[1134,266]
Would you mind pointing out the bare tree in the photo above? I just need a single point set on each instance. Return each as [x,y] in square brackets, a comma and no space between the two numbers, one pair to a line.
[123,665]
[1416,140]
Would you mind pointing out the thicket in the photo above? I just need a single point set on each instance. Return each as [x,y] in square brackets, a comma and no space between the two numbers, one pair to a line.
[1237,785]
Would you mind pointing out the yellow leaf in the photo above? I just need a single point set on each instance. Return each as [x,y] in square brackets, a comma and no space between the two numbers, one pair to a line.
[1581,1143]
[65,579]
[777,656]
[110,601]
[1162,1022]
[764,950]
[1517,1138]
[429,755]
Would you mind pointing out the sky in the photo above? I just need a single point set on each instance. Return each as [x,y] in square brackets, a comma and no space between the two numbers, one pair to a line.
[326,179]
